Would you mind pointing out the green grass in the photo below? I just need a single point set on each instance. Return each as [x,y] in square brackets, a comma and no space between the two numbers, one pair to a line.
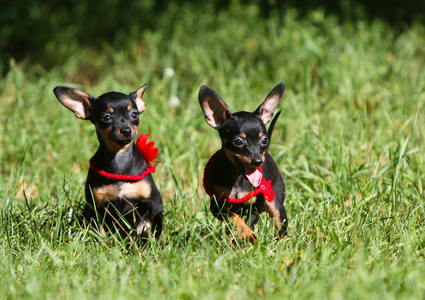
[349,143]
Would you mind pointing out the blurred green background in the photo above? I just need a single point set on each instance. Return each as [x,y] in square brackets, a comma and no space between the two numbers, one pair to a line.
[48,32]
[349,144]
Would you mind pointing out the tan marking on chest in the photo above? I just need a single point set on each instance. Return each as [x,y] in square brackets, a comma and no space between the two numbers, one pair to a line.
[136,190]
[102,195]
[128,190]
[234,193]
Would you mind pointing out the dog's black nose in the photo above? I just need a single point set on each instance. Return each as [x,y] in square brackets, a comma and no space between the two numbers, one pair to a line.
[257,162]
[125,131]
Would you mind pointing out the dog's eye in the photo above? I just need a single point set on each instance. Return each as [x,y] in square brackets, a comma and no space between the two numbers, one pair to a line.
[106,118]
[238,142]
[264,141]
[134,115]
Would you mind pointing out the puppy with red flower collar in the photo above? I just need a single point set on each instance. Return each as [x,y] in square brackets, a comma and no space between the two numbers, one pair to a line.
[120,191]
[242,178]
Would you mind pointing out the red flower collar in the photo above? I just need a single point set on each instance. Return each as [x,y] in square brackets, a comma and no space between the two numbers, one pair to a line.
[149,153]
[264,188]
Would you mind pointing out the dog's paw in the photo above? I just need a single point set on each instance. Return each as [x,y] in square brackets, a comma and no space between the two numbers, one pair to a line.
[248,235]
[252,238]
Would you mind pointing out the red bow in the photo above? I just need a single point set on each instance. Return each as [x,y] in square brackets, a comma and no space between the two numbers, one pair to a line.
[265,188]
[149,153]
[148,150]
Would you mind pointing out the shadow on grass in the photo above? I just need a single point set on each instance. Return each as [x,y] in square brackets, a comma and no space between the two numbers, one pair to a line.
[48,31]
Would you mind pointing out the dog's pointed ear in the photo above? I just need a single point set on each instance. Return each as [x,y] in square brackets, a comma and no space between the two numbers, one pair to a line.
[137,97]
[78,102]
[215,110]
[266,109]
[271,127]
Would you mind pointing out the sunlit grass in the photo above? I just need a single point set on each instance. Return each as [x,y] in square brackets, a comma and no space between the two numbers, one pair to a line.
[349,144]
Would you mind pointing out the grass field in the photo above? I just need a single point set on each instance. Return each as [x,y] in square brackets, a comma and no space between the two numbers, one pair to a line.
[349,144]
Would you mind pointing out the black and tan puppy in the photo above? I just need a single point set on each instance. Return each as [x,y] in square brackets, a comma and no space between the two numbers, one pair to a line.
[120,191]
[242,178]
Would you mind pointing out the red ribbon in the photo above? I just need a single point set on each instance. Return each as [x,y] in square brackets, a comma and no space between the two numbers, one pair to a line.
[149,153]
[264,188]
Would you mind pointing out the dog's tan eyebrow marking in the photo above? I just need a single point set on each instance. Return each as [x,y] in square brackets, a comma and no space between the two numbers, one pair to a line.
[261,134]
[110,110]
[243,135]
[129,107]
